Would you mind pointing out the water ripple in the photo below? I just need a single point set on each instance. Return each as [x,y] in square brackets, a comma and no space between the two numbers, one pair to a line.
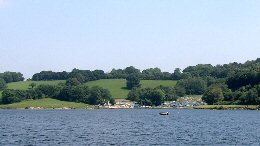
[129,127]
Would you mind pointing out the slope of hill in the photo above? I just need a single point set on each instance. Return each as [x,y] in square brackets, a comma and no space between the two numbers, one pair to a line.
[117,87]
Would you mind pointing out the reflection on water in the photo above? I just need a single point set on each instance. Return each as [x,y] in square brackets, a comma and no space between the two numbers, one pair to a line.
[129,127]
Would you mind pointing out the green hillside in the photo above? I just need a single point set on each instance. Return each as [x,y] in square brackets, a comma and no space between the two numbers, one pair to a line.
[46,103]
[117,87]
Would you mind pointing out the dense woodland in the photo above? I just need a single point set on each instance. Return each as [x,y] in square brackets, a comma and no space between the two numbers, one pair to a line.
[8,77]
[233,83]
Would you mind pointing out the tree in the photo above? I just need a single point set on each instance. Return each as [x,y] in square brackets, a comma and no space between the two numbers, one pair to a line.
[152,74]
[2,84]
[100,96]
[147,96]
[131,70]
[34,94]
[48,90]
[243,78]
[132,81]
[99,74]
[169,92]
[251,97]
[79,93]
[72,82]
[180,91]
[11,76]
[117,74]
[11,96]
[200,70]
[192,86]
[133,95]
[151,97]
[32,85]
[213,95]
[177,74]
[49,75]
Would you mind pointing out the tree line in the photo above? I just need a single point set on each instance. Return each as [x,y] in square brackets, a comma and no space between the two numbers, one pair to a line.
[241,88]
[200,70]
[8,77]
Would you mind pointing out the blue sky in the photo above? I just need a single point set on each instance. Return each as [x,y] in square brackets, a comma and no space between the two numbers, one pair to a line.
[59,35]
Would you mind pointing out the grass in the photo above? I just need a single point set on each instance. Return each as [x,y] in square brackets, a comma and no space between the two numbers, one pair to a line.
[156,83]
[117,87]
[46,103]
[23,85]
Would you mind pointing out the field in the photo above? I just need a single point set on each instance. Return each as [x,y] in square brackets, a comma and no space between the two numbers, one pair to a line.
[25,84]
[117,87]
[46,103]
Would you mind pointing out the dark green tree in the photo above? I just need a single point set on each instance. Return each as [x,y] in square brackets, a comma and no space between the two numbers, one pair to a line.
[100,96]
[10,96]
[132,81]
[213,95]
[2,84]
[177,75]
[131,70]
[134,95]
[151,97]
[32,85]
[46,90]
[193,86]
[72,82]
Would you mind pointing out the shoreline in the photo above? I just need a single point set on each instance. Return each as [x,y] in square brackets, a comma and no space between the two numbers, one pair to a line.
[204,107]
[228,107]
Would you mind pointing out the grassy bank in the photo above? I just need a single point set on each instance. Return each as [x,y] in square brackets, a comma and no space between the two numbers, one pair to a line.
[227,107]
[45,103]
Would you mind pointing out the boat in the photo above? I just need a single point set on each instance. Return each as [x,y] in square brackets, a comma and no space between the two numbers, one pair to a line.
[164,113]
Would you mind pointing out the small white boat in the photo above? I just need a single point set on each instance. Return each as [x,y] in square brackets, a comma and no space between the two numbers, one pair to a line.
[164,113]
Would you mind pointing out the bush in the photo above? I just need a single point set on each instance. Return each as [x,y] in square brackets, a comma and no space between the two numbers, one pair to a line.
[10,96]
[2,84]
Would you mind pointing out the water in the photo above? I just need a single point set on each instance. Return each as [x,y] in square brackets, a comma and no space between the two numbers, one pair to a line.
[129,127]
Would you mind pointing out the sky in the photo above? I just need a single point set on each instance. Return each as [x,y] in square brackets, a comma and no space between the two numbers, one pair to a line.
[60,35]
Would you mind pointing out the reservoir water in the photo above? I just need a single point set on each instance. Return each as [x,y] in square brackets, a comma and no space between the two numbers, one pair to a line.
[129,127]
